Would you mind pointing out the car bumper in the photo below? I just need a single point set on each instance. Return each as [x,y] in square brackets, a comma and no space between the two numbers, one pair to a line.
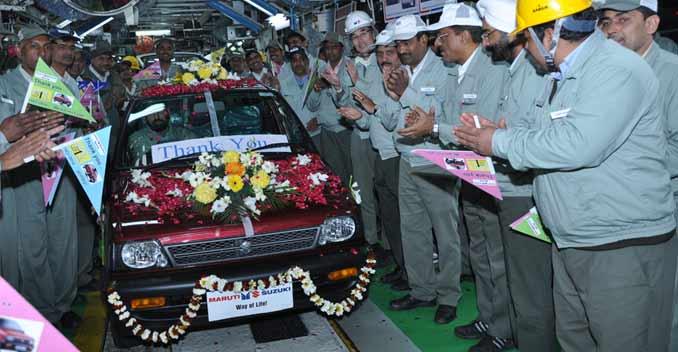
[177,287]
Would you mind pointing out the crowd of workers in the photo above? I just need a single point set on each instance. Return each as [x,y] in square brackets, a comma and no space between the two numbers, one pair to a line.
[572,100]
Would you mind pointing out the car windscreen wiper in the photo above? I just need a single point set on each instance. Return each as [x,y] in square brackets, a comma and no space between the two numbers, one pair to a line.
[271,146]
[170,161]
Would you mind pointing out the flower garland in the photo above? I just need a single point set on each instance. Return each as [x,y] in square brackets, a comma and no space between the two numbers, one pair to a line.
[213,283]
[161,90]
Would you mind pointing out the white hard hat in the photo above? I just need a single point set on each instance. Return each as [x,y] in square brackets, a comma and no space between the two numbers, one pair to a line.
[385,37]
[500,14]
[457,15]
[356,20]
[406,27]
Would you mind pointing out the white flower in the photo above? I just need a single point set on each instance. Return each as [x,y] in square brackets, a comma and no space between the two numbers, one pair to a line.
[272,281]
[317,178]
[216,162]
[135,198]
[251,204]
[199,291]
[327,305]
[338,309]
[141,178]
[205,159]
[136,329]
[303,159]
[130,323]
[308,287]
[261,284]
[269,167]
[186,175]
[233,76]
[355,191]
[195,179]
[221,283]
[219,206]
[259,195]
[145,334]
[237,286]
[163,337]
[154,337]
[176,192]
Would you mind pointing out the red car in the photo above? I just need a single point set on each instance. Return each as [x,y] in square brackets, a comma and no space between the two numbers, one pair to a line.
[13,338]
[154,262]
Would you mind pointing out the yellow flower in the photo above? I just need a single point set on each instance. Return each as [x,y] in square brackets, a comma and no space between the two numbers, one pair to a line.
[231,157]
[187,77]
[200,167]
[235,183]
[204,72]
[261,179]
[222,74]
[204,193]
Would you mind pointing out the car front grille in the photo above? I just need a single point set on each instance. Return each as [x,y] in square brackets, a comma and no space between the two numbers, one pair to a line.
[185,254]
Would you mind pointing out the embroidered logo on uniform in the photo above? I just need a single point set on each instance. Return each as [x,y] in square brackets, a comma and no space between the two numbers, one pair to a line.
[560,114]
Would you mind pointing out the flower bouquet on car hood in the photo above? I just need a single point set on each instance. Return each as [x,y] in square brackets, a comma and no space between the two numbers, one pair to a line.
[231,185]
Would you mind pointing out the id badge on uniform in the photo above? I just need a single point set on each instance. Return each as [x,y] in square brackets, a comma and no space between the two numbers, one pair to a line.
[560,114]
[428,91]
[469,99]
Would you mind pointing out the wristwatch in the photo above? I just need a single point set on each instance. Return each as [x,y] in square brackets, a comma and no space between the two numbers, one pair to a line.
[435,133]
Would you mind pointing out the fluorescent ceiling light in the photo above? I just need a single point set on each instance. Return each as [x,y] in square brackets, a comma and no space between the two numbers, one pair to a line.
[155,108]
[101,24]
[63,24]
[279,21]
[153,32]
[259,7]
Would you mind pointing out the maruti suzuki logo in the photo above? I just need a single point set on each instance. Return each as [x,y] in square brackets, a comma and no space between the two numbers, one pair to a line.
[245,248]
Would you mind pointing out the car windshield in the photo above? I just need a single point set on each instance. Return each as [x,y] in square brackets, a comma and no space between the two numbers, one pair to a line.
[8,324]
[171,128]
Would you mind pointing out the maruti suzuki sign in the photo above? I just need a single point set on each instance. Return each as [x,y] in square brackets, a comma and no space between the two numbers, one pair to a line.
[228,304]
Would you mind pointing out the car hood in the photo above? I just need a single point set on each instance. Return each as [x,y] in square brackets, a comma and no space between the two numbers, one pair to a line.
[175,220]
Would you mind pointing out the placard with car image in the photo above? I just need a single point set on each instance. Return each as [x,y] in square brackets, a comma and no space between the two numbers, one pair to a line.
[19,334]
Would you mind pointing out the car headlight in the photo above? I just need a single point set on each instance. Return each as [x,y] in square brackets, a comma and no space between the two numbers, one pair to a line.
[141,255]
[336,229]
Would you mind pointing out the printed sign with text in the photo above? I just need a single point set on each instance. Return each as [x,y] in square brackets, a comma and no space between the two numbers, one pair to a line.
[229,304]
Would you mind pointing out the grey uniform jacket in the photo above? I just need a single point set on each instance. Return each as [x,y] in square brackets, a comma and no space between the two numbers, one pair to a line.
[294,95]
[326,102]
[426,90]
[368,75]
[381,138]
[665,66]
[523,100]
[600,151]
[480,91]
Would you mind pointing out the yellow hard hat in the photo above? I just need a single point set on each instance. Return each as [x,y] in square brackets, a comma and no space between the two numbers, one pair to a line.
[133,62]
[531,13]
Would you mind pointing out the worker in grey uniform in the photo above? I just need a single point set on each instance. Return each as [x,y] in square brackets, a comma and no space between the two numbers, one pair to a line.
[476,88]
[528,260]
[373,105]
[327,96]
[633,25]
[364,71]
[599,151]
[164,50]
[427,196]
[294,84]
[47,247]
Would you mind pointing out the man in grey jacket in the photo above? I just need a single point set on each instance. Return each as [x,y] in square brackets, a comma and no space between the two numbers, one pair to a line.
[427,196]
[600,151]
[46,238]
[633,23]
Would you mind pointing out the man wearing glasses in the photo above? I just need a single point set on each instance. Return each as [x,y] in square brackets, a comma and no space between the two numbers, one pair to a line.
[476,87]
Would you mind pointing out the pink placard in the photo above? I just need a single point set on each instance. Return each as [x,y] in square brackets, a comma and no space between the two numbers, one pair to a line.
[28,327]
[469,166]
[51,172]
[151,72]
